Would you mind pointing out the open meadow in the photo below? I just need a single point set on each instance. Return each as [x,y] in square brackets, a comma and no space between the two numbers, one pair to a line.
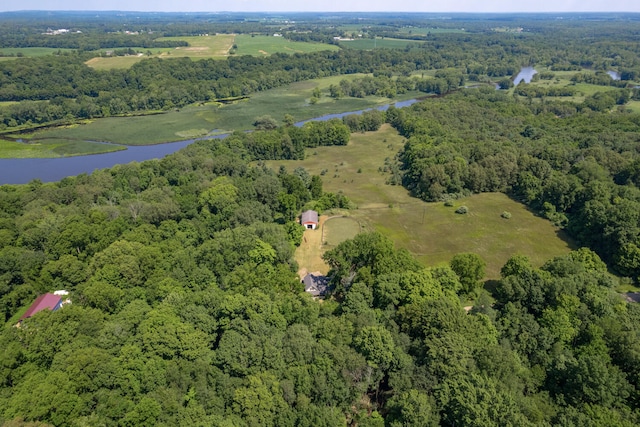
[10,53]
[431,231]
[379,43]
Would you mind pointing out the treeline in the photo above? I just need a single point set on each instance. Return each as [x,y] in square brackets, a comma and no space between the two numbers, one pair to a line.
[573,164]
[289,142]
[87,41]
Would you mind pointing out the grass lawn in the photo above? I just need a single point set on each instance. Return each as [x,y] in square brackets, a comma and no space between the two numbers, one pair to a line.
[337,230]
[53,148]
[199,120]
[431,231]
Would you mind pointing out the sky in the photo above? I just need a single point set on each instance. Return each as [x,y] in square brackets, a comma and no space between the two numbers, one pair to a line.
[329,5]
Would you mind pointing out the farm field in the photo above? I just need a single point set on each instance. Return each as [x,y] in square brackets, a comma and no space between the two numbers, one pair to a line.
[213,46]
[431,231]
[268,45]
[200,120]
[379,43]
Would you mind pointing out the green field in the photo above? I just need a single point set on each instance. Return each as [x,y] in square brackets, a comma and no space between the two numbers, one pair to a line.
[425,30]
[28,52]
[199,120]
[431,231]
[379,43]
[213,46]
[337,230]
[53,148]
[268,45]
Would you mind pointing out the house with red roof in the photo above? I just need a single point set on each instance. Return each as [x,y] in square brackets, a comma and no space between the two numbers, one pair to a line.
[43,302]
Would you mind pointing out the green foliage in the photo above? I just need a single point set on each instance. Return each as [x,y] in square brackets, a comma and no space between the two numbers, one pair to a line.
[462,210]
[185,305]
[470,270]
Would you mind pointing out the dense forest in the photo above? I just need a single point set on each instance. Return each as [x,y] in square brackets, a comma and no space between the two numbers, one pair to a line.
[186,309]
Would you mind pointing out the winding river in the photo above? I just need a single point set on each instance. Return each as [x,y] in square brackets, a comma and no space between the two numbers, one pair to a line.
[21,171]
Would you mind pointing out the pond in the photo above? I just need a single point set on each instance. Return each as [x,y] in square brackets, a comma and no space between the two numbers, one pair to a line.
[525,74]
[614,75]
[21,171]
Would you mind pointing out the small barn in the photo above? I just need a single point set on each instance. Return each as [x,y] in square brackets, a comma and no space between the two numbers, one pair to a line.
[309,219]
[316,284]
[43,302]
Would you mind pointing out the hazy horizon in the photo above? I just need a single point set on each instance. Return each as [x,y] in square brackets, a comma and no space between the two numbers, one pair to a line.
[461,6]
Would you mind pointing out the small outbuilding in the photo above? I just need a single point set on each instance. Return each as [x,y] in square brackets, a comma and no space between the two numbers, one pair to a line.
[309,219]
[316,284]
[43,302]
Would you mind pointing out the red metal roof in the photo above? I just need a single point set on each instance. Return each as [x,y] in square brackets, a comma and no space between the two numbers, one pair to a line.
[45,301]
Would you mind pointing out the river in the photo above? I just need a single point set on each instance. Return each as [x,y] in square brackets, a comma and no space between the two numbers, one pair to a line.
[21,171]
[525,74]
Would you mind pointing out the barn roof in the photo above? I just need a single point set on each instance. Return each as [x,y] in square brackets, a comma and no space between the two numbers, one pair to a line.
[309,216]
[44,301]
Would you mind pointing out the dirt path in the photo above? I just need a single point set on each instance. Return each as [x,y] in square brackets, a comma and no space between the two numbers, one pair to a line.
[309,253]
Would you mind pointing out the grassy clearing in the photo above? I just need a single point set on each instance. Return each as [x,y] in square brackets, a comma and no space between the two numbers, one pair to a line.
[200,120]
[28,52]
[114,62]
[268,45]
[431,231]
[379,43]
[337,230]
[217,46]
[53,148]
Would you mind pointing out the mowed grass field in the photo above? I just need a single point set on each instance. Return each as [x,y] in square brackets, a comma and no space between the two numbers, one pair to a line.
[268,45]
[214,118]
[431,231]
[337,230]
[379,43]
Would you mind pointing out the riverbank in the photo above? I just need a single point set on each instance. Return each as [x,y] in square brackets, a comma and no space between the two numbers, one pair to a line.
[203,119]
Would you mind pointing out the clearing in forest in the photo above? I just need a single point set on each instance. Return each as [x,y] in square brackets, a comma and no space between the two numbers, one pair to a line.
[431,231]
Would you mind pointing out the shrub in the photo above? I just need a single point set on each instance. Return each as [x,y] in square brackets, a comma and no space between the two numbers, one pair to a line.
[462,210]
[506,215]
[448,203]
